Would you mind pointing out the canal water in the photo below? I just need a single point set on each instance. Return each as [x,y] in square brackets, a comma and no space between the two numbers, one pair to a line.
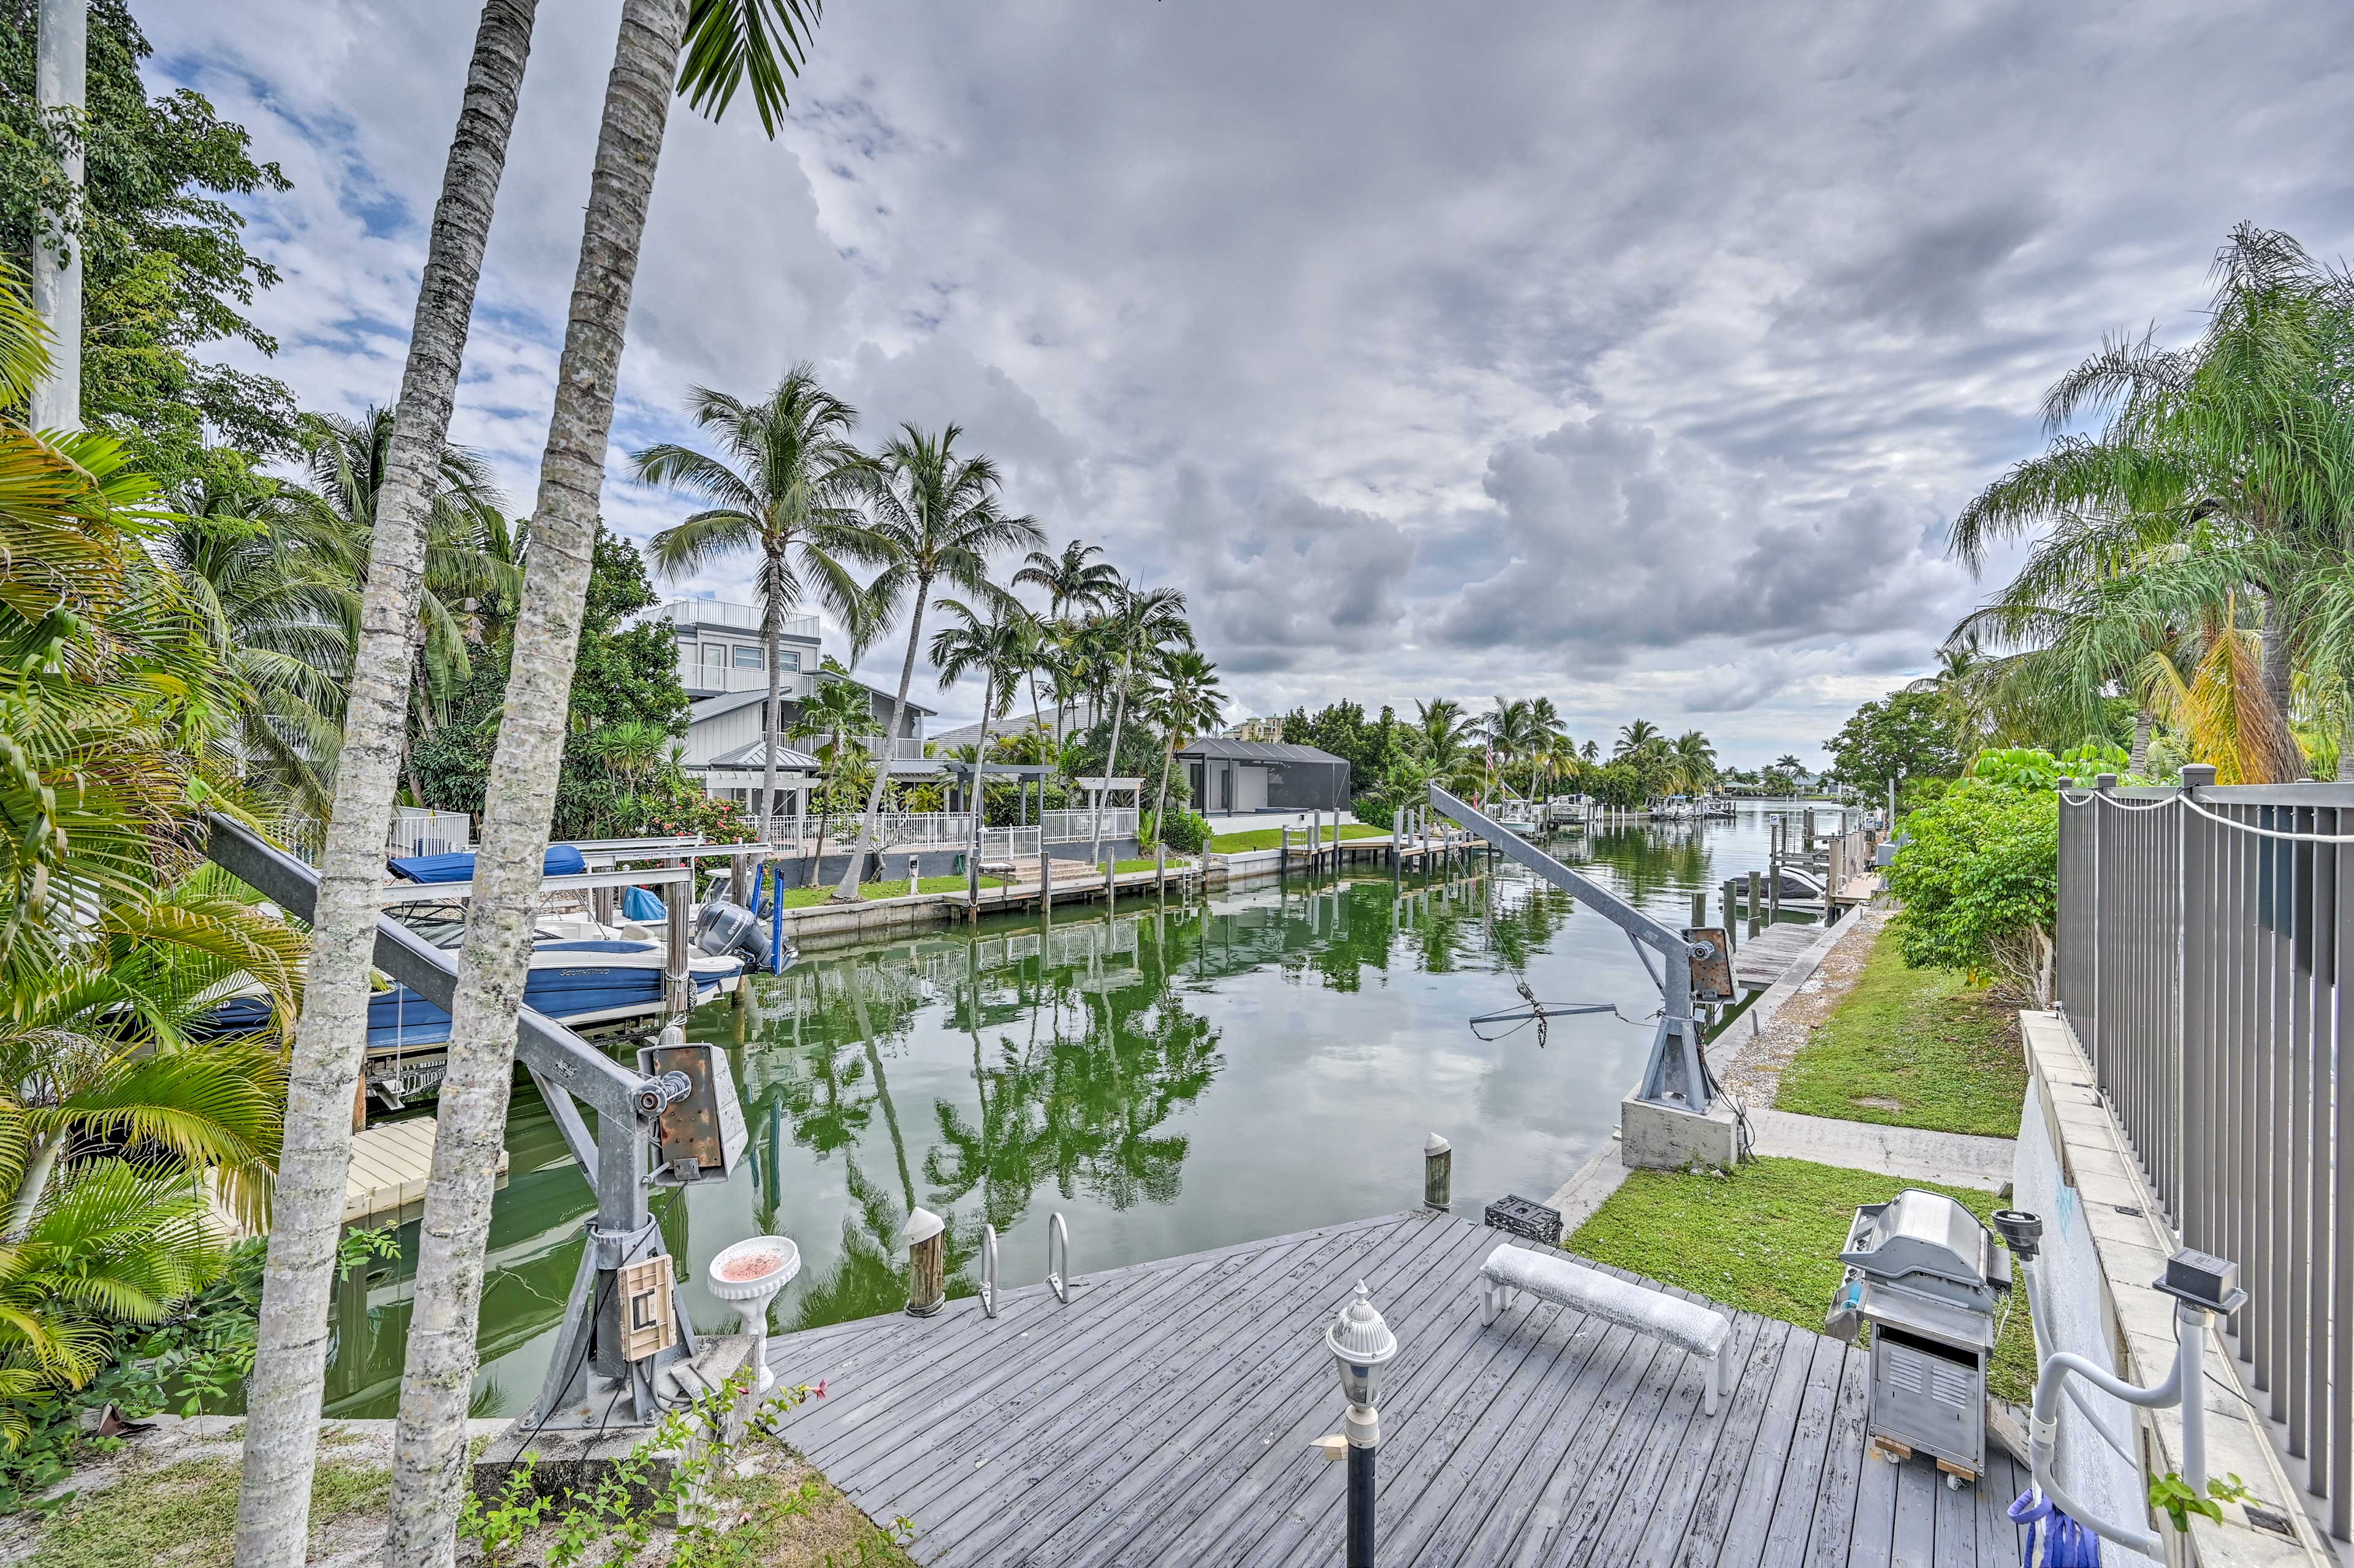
[1169,1077]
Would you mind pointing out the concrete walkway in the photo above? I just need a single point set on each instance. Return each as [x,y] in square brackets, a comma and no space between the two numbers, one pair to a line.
[1908,1153]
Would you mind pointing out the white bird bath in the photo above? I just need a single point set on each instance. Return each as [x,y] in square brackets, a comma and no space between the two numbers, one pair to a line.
[749,1273]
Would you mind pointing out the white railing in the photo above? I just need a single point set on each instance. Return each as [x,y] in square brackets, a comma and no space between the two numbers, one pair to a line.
[1072,827]
[418,832]
[735,616]
[791,684]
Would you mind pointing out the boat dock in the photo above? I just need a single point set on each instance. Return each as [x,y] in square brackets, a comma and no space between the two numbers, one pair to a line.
[1760,960]
[1163,1416]
[390,1164]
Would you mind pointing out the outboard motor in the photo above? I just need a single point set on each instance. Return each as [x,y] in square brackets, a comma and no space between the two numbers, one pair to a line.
[722,928]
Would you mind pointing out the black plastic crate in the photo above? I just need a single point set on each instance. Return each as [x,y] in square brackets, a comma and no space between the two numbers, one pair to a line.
[1526,1217]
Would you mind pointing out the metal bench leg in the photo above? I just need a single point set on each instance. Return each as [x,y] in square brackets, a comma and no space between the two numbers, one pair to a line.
[1708,1399]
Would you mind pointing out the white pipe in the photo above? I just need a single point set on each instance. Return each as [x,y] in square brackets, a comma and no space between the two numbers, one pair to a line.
[2183,1386]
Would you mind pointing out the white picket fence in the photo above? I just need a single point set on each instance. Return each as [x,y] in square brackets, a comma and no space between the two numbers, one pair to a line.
[416,831]
[1074,827]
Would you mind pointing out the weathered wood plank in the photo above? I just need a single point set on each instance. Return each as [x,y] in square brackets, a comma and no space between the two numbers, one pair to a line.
[1802,1472]
[1833,1524]
[1193,1472]
[1875,1513]
[1678,1453]
[1914,1542]
[1600,1424]
[1747,1494]
[1057,1451]
[1699,1494]
[1957,1523]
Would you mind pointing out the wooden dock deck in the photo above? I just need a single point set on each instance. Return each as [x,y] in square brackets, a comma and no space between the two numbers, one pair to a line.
[1759,960]
[1162,1416]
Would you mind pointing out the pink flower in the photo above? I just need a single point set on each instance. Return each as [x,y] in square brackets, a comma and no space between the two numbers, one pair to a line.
[821,1388]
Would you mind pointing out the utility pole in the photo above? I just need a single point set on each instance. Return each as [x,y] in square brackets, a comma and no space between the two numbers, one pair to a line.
[61,73]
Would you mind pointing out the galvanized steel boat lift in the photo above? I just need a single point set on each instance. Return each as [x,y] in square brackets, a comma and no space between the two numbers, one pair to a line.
[1694,971]
[680,1102]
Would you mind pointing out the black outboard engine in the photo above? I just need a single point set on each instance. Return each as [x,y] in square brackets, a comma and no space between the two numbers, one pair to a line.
[722,928]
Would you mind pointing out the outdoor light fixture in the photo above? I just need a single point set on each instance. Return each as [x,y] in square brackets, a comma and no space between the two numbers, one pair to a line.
[1361,1345]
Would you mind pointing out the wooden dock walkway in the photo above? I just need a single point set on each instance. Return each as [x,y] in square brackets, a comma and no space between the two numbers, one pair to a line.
[1162,1416]
[1759,960]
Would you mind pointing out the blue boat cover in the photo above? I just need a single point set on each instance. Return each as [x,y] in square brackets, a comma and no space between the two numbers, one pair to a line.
[637,904]
[563,860]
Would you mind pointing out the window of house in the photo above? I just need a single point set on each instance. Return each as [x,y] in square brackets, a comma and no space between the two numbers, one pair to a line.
[788,659]
[747,656]
[714,659]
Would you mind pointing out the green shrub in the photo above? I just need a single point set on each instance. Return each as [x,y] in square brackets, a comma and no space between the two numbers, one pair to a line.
[1374,810]
[1184,831]
[1979,882]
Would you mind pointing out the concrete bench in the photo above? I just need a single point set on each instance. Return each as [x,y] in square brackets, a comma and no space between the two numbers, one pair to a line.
[1548,1277]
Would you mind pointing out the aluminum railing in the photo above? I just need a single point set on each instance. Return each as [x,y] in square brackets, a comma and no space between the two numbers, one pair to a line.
[430,833]
[2199,950]
[1072,827]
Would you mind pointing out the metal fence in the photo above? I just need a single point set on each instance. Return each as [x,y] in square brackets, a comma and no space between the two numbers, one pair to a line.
[2199,950]
[416,831]
[1071,827]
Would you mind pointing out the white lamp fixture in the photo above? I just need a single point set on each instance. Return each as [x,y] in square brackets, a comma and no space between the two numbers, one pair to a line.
[1362,1344]
[749,1273]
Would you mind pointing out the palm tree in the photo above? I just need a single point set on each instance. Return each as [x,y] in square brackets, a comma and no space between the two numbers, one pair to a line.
[289,1382]
[840,714]
[1073,580]
[1186,703]
[2242,438]
[1694,763]
[1633,737]
[1139,621]
[990,644]
[790,495]
[1788,763]
[936,519]
[430,1436]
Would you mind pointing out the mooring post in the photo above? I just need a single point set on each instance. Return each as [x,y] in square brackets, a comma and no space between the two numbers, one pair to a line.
[1750,905]
[1283,852]
[1774,895]
[736,877]
[1437,1173]
[1045,877]
[1160,869]
[678,979]
[927,1277]
[1700,908]
[1111,885]
[1732,929]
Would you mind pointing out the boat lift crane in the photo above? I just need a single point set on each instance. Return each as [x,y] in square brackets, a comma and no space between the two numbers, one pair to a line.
[1694,971]
[625,1324]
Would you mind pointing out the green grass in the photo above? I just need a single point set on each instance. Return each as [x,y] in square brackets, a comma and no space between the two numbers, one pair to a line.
[1272,838]
[186,1514]
[805,897]
[1766,1239]
[1912,1048]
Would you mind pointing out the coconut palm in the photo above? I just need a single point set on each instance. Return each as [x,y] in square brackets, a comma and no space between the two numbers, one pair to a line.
[1137,624]
[733,41]
[936,519]
[785,487]
[1186,703]
[1074,580]
[838,716]
[1633,737]
[988,642]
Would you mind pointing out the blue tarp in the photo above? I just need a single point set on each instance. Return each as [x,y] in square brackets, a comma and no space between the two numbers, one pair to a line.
[637,904]
[563,860]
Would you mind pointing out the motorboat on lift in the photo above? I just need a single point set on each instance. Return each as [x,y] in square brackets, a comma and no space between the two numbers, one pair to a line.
[595,977]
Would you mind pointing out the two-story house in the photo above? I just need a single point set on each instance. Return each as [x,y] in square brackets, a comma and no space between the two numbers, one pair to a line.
[723,663]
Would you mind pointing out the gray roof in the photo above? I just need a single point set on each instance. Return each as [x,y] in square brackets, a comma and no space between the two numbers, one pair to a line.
[757,756]
[727,703]
[1225,748]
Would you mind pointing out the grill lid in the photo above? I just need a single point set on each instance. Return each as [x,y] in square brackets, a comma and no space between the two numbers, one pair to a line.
[1924,1239]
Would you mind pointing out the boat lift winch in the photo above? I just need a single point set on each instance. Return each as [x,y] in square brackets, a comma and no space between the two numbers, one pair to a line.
[1694,974]
[625,1324]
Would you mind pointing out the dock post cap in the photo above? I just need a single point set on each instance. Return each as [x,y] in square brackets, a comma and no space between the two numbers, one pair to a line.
[1435,1144]
[922,1226]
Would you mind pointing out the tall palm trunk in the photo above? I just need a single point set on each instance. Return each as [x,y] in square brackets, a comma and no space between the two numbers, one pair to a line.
[60,83]
[1111,757]
[980,776]
[429,1470]
[289,1382]
[2143,722]
[846,890]
[1160,800]
[2285,761]
[772,629]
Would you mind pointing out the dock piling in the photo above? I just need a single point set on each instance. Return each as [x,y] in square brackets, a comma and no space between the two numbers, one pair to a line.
[1437,1173]
[928,1278]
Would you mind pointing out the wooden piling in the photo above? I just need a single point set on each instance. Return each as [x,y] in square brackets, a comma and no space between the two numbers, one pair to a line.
[1437,1173]
[1161,870]
[1750,906]
[1046,880]
[927,1277]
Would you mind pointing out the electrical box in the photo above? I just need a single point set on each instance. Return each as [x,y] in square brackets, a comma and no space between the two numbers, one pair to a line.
[1712,975]
[700,1136]
[647,1326]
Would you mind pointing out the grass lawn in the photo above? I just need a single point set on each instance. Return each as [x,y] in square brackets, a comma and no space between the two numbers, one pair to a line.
[1766,1239]
[805,897]
[1912,1048]
[186,1513]
[1272,838]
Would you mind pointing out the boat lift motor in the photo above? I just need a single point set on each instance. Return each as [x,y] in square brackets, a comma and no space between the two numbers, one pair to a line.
[1676,1114]
[625,1323]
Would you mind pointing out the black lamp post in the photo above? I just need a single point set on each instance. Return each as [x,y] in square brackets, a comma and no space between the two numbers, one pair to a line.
[1362,1344]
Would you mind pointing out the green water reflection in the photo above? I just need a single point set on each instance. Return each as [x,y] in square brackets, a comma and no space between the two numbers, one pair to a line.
[1169,1079]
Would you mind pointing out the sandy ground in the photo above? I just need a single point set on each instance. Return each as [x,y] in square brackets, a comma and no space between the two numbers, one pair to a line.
[1756,1073]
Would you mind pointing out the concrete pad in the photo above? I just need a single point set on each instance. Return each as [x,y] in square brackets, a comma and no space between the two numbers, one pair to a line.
[1908,1153]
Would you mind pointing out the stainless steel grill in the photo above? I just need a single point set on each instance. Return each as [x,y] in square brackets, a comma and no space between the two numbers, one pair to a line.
[1928,1279]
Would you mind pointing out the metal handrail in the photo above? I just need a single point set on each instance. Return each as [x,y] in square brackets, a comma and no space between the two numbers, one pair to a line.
[1058,1280]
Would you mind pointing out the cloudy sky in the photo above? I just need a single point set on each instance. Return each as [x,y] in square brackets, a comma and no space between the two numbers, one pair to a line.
[1635,354]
